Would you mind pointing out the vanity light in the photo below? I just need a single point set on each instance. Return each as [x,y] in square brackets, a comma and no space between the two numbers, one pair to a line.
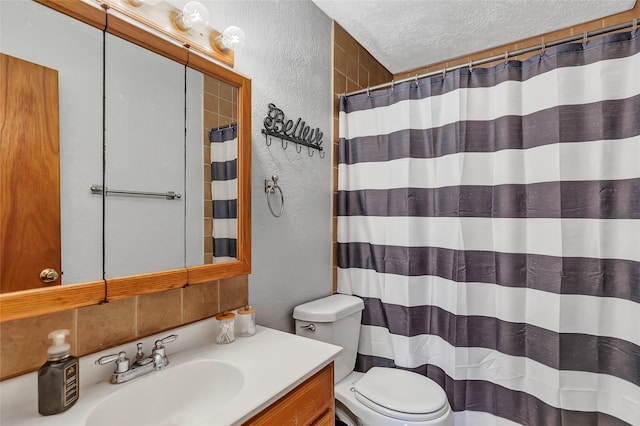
[138,3]
[194,15]
[231,38]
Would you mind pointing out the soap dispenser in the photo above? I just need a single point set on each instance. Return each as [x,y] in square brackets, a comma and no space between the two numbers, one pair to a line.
[58,382]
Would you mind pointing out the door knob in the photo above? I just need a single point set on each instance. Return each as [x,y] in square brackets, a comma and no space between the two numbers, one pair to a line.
[49,275]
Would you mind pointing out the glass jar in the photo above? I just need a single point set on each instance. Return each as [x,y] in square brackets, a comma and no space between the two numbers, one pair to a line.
[225,328]
[246,321]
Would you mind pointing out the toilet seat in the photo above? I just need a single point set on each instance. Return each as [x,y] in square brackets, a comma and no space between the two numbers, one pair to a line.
[401,394]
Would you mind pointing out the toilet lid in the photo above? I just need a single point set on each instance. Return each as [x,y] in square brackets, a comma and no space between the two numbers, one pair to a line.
[401,394]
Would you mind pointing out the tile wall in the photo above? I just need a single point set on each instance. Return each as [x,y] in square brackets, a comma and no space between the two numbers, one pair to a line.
[24,342]
[353,68]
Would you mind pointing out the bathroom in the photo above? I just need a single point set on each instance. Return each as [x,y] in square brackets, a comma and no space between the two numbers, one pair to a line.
[293,54]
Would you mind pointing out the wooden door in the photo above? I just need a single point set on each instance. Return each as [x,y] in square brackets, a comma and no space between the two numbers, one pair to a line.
[29,174]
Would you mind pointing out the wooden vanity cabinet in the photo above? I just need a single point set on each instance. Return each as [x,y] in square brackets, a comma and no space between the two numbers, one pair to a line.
[311,403]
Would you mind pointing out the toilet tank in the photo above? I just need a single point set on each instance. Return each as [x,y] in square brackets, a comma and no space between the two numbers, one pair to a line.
[334,319]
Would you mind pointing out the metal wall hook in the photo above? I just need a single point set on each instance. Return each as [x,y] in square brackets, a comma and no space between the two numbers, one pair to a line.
[310,152]
[270,187]
[322,154]
[299,132]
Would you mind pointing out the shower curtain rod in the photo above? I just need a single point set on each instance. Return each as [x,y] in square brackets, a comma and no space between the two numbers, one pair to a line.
[505,56]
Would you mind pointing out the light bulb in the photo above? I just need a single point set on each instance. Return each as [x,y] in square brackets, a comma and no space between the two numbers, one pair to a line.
[231,38]
[194,15]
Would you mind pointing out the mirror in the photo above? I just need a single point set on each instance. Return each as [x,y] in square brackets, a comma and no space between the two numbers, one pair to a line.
[128,270]
[219,181]
[144,153]
[32,32]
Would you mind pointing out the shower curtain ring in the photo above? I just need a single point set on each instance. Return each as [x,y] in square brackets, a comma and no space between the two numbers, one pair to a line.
[417,83]
[393,86]
[470,65]
[506,57]
[444,71]
[368,93]
[635,23]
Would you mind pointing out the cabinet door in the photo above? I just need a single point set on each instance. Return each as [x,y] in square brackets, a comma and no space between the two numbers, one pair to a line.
[30,179]
[311,403]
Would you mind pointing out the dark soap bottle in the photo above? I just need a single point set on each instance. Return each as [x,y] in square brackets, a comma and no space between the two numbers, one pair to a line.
[58,380]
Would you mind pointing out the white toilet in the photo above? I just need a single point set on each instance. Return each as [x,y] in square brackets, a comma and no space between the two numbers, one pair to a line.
[381,396]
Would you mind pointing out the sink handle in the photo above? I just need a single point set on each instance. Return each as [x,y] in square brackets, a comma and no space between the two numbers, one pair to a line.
[122,362]
[166,340]
[159,347]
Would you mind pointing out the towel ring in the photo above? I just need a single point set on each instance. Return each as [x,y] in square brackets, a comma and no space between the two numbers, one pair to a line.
[270,187]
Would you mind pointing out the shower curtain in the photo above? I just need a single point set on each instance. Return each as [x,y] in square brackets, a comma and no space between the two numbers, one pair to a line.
[224,191]
[490,221]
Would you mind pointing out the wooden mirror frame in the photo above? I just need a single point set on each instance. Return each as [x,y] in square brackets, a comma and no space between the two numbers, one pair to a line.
[29,303]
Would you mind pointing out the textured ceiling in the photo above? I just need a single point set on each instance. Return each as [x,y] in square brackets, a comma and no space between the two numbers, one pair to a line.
[408,34]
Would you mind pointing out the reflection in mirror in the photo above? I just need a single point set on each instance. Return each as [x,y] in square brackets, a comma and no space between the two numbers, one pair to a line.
[145,152]
[215,122]
[222,189]
[224,193]
[34,33]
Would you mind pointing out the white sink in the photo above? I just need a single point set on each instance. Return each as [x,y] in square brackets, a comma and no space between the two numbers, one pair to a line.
[178,395]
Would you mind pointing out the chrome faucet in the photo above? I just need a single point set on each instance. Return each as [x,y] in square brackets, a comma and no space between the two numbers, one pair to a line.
[125,370]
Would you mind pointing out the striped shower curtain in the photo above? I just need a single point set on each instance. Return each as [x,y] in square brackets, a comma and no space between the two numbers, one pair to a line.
[224,191]
[490,221]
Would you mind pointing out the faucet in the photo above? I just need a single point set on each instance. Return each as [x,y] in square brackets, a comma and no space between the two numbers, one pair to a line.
[125,370]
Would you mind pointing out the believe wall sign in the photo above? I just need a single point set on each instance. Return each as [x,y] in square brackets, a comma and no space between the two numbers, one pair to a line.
[298,132]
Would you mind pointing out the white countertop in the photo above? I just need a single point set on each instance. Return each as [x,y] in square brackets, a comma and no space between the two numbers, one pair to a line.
[272,362]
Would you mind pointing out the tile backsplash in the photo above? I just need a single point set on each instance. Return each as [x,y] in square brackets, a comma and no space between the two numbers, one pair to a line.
[24,342]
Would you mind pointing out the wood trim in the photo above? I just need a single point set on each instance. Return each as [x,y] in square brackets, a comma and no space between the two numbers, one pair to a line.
[244,175]
[312,402]
[125,30]
[328,419]
[31,303]
[204,65]
[93,15]
[202,273]
[154,282]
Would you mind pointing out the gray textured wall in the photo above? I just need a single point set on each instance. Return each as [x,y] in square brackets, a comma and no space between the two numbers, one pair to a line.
[288,57]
